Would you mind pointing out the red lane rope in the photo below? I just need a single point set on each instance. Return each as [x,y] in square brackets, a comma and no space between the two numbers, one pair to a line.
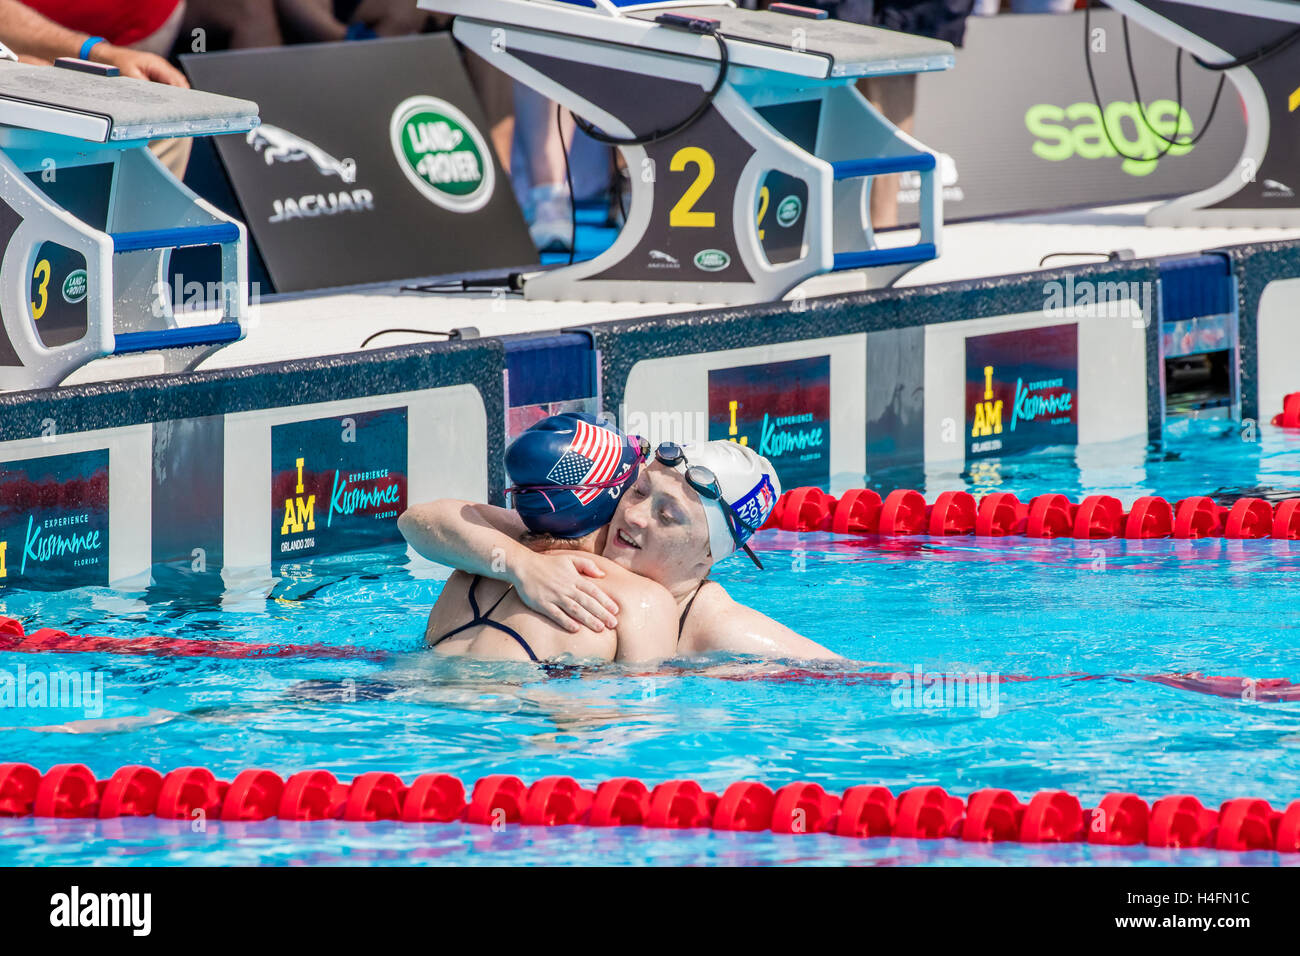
[953,513]
[47,641]
[1263,689]
[1290,417]
[925,812]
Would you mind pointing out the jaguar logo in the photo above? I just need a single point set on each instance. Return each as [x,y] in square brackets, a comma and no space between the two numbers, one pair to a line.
[280,146]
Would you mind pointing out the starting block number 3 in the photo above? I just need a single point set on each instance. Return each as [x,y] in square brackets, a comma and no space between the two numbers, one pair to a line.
[42,279]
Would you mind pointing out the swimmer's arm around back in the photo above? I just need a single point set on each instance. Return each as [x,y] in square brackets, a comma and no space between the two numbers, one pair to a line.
[479,539]
[482,539]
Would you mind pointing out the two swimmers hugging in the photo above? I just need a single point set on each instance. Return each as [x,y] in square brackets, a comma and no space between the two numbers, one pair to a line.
[606,553]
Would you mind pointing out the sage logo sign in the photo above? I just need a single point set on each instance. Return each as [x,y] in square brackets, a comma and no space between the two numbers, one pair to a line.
[1080,130]
[1045,146]
[442,153]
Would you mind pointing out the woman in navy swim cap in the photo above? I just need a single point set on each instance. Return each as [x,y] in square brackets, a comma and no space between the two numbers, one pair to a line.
[668,520]
[569,471]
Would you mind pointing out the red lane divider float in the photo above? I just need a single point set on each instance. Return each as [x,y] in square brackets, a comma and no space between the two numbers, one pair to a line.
[13,638]
[926,812]
[905,512]
[1273,690]
[1290,417]
[47,641]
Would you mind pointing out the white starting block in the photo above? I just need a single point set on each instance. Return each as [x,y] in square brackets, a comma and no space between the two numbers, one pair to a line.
[1252,43]
[88,219]
[751,152]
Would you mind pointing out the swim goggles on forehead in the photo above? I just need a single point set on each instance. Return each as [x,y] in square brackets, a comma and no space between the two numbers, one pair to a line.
[642,448]
[705,484]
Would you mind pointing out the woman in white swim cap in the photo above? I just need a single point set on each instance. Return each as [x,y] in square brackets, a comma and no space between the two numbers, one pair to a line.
[656,529]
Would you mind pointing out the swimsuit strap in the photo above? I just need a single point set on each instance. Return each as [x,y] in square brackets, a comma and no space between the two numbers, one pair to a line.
[488,613]
[484,620]
[681,621]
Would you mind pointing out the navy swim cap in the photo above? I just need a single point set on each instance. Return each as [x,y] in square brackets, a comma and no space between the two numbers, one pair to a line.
[568,473]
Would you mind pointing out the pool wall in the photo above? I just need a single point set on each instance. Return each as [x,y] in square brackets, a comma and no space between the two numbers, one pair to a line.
[257,467]
[264,467]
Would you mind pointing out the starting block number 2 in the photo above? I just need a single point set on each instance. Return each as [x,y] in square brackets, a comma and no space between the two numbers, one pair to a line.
[684,215]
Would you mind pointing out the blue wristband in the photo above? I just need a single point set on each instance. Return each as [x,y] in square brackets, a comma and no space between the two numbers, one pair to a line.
[90,44]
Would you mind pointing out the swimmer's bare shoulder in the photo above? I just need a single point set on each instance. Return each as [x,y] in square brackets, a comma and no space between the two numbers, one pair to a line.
[719,623]
[647,618]
[446,610]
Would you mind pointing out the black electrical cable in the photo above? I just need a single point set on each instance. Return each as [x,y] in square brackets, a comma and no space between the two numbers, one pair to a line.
[618,184]
[568,180]
[1108,256]
[1178,86]
[512,282]
[369,339]
[724,63]
[1178,81]
[1250,59]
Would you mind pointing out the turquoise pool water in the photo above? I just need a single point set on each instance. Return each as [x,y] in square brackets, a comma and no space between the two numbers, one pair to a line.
[1106,609]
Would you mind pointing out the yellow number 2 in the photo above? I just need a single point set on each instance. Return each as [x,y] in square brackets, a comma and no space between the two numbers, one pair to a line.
[42,274]
[684,214]
[764,198]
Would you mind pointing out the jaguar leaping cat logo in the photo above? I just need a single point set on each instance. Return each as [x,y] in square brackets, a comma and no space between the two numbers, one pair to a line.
[1274,189]
[279,145]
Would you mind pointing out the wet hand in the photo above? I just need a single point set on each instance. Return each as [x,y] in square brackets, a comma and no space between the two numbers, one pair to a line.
[563,587]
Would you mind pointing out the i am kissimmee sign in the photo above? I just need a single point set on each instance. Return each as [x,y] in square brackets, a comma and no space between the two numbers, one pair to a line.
[54,521]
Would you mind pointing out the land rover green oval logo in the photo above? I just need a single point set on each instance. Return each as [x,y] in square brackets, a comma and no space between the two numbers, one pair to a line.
[788,212]
[712,260]
[442,153]
[74,287]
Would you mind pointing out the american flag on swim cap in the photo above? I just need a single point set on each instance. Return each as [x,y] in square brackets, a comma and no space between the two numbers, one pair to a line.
[592,457]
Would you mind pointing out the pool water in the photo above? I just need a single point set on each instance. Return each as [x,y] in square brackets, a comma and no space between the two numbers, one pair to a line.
[1108,610]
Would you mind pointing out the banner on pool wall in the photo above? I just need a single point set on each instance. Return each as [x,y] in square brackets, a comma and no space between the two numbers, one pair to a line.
[1022,390]
[54,521]
[337,484]
[782,410]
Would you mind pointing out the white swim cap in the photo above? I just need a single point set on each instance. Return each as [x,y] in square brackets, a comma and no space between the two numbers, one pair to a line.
[749,487]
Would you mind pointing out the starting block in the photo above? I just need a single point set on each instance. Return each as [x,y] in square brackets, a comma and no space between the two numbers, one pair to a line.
[1252,43]
[750,151]
[88,219]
